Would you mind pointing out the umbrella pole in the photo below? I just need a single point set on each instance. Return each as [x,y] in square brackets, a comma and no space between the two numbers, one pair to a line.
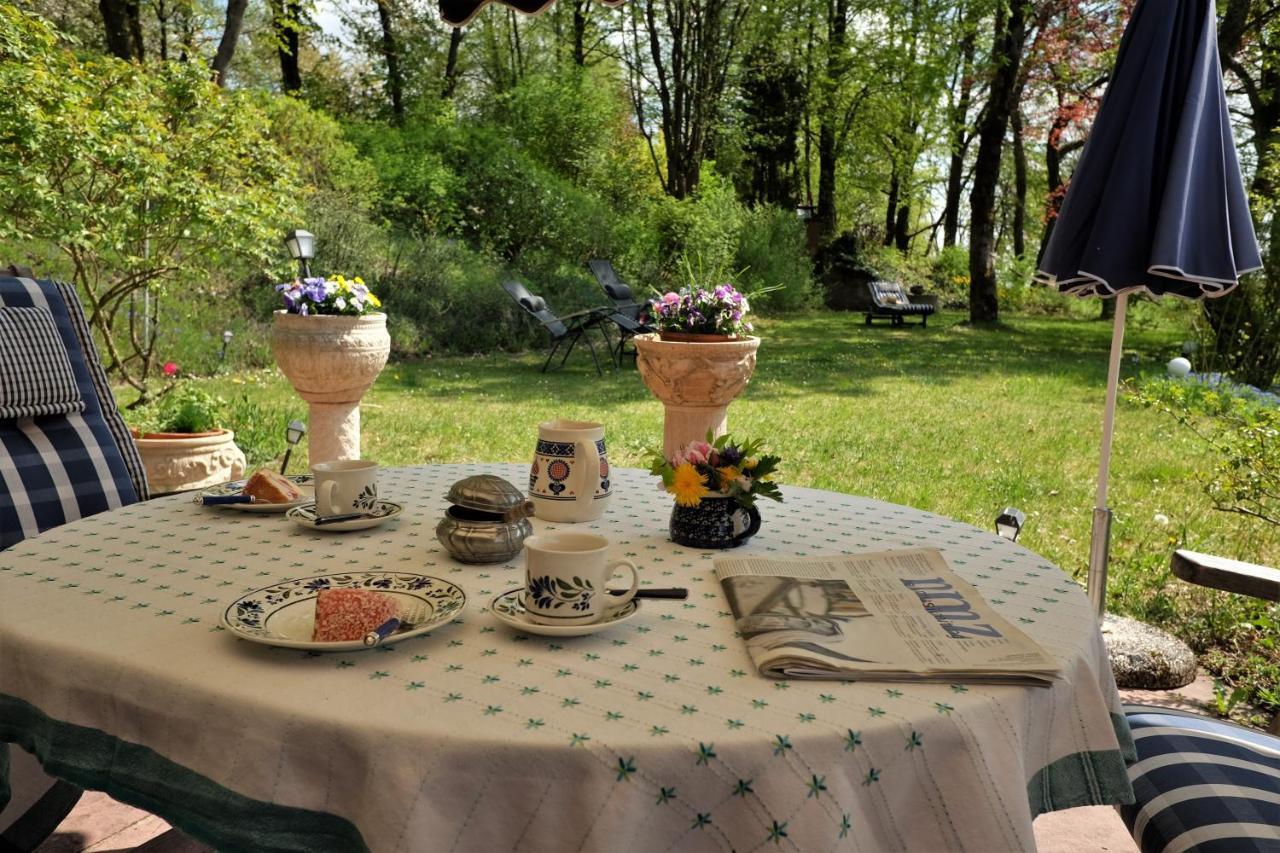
[1100,539]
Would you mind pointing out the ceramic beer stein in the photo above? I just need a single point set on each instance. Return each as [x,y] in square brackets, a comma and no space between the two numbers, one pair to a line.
[569,480]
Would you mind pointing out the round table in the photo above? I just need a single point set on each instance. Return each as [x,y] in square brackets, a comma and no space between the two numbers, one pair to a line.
[656,735]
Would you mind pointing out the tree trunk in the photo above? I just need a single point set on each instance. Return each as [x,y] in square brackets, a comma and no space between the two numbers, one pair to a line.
[230,38]
[1019,179]
[837,62]
[891,208]
[287,21]
[902,228]
[122,25]
[162,18]
[1006,53]
[959,138]
[390,54]
[451,65]
[580,32]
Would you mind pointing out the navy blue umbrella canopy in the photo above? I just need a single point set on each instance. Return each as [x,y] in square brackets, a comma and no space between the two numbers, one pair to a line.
[1156,204]
[459,12]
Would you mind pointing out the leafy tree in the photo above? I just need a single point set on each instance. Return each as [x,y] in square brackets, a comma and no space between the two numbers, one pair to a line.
[139,176]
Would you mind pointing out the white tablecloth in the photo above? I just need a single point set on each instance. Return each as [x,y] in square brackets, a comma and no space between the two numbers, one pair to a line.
[658,735]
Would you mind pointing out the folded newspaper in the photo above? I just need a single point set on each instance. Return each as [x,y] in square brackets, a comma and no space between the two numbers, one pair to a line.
[887,616]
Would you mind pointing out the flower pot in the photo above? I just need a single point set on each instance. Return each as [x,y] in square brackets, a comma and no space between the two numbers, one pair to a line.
[696,382]
[177,462]
[716,522]
[331,360]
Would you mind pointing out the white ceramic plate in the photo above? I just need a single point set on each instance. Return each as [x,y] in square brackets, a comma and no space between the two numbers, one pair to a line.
[381,513]
[284,613]
[304,482]
[509,608]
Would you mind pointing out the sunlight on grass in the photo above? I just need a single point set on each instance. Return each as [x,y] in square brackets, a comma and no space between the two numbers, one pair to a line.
[956,420]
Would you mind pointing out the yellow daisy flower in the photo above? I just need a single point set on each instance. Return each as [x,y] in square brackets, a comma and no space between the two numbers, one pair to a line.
[749,463]
[689,486]
[728,474]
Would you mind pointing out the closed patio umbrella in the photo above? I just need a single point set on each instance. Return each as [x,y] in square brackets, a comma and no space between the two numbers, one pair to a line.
[1156,204]
[460,12]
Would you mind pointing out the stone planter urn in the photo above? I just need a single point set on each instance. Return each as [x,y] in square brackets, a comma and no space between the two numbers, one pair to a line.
[696,381]
[331,360]
[179,461]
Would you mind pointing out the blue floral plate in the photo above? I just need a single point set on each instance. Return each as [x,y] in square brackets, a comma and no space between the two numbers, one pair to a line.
[283,614]
[304,482]
[509,608]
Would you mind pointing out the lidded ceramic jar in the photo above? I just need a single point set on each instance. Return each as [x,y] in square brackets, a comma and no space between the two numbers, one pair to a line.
[487,521]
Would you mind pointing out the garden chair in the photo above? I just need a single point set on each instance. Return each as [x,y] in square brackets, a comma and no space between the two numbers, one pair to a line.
[1202,784]
[889,300]
[566,330]
[628,315]
[65,453]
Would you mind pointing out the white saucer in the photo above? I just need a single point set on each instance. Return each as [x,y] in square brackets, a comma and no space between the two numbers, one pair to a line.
[381,513]
[509,608]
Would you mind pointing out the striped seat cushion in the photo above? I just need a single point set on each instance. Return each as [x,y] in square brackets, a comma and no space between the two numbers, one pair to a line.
[59,468]
[1202,785]
[35,374]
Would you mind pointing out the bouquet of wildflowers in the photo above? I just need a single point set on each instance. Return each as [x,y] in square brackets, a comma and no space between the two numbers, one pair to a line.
[720,311]
[723,467]
[334,295]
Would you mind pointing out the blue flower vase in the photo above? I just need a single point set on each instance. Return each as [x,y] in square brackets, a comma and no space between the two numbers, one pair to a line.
[714,523]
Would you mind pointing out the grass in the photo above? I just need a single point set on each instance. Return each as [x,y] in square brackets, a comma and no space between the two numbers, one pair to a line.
[954,419]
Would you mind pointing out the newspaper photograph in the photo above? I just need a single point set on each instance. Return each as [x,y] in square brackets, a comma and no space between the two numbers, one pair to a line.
[885,616]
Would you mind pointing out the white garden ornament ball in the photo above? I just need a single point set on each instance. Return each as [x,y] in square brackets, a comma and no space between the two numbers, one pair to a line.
[1179,368]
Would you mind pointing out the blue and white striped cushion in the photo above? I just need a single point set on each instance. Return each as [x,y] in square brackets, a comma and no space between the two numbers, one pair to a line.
[1202,785]
[61,468]
[35,374]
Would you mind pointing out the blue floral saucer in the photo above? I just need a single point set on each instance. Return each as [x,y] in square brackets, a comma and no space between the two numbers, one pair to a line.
[509,608]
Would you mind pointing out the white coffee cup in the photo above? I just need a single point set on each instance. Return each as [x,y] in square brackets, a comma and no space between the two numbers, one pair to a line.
[569,479]
[345,486]
[565,579]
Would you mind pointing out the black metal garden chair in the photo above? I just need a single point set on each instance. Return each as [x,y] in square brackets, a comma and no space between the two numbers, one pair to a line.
[628,314]
[565,330]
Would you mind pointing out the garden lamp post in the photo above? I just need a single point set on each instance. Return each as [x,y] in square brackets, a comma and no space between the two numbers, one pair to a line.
[226,339]
[1009,523]
[302,248]
[292,435]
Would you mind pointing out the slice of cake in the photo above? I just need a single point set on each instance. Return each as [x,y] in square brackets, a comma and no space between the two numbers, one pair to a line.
[267,486]
[349,614]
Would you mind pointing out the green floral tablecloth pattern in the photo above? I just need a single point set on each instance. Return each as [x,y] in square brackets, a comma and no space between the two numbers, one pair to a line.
[658,735]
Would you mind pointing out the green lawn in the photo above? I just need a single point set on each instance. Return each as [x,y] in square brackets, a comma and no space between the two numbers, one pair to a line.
[952,419]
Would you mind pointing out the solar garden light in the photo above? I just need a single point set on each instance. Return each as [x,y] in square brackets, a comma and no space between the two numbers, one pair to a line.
[226,339]
[302,248]
[1009,523]
[292,434]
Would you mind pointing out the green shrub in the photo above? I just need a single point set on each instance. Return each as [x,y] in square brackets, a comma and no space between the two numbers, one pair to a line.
[186,408]
[772,254]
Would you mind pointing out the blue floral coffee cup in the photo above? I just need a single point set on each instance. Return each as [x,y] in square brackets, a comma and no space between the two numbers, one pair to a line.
[566,578]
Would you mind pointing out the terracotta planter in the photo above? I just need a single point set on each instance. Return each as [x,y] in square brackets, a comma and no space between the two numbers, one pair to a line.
[177,462]
[696,382]
[331,361]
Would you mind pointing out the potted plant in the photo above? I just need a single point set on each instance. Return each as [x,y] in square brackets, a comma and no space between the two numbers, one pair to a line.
[716,483]
[331,343]
[698,361]
[182,443]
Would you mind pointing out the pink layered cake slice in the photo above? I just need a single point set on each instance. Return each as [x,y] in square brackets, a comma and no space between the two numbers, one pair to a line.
[349,614]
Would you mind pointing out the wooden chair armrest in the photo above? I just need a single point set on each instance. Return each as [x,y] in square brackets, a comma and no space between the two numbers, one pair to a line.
[1230,575]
